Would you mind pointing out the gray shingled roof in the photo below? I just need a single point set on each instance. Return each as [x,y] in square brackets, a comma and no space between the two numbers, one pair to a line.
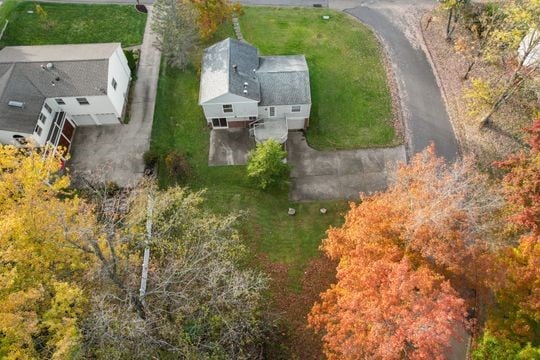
[284,80]
[78,70]
[277,80]
[227,65]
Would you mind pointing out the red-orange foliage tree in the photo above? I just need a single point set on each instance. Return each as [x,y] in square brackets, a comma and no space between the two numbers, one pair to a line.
[389,301]
[212,13]
[519,295]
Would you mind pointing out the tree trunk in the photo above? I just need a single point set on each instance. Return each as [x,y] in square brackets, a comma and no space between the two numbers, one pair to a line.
[471,65]
[449,24]
[511,86]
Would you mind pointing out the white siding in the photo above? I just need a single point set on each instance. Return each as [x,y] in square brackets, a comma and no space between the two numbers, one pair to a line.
[119,70]
[240,110]
[6,137]
[98,105]
[40,140]
[282,111]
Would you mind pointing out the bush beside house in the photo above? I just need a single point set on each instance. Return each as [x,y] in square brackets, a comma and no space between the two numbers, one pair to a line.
[267,165]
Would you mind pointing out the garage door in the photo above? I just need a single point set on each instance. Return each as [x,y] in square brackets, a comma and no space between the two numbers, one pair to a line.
[295,123]
[104,119]
[82,120]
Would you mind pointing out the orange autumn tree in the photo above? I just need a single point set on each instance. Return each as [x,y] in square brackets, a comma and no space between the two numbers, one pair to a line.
[212,13]
[390,300]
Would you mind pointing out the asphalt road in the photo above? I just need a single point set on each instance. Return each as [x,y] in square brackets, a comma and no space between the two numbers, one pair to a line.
[425,115]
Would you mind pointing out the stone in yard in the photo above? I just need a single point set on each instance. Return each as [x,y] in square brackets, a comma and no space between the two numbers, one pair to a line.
[291,211]
[323,210]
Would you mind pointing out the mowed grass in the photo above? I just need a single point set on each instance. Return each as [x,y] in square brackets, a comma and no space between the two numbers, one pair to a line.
[179,124]
[349,92]
[73,24]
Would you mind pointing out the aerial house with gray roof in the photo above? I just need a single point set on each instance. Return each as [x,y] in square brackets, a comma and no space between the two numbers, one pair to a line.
[240,89]
[47,91]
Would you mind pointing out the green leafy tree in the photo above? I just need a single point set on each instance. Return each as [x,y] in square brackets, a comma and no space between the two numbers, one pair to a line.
[267,165]
[491,347]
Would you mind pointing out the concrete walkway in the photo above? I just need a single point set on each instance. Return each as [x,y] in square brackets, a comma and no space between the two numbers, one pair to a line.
[116,151]
[328,175]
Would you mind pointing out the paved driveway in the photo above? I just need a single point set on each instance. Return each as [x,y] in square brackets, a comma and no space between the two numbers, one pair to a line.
[115,152]
[326,175]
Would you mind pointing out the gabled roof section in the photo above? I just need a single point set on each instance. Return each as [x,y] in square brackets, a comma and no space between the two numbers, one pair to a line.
[284,80]
[227,67]
[51,53]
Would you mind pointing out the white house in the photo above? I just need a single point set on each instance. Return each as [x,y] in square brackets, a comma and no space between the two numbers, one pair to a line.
[46,92]
[240,89]
[529,48]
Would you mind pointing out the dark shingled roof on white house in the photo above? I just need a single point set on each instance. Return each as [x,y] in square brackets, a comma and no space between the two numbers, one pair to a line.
[77,70]
[272,80]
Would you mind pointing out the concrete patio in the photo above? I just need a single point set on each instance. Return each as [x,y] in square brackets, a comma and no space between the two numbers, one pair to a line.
[229,147]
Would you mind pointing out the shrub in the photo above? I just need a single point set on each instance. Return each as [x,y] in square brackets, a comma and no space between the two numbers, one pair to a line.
[177,165]
[150,158]
[132,57]
[112,188]
[266,165]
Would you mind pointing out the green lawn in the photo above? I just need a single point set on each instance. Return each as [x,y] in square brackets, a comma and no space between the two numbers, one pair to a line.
[351,101]
[73,24]
[179,124]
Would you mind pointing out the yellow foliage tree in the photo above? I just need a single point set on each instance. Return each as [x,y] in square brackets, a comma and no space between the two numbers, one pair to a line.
[40,265]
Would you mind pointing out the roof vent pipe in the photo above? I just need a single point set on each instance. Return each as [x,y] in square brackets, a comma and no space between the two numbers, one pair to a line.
[50,66]
[245,92]
[235,67]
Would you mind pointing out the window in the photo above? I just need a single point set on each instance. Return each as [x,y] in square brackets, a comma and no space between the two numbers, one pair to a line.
[42,118]
[219,122]
[60,102]
[272,111]
[48,108]
[20,139]
[83,101]
[296,108]
[227,108]
[38,130]
[113,83]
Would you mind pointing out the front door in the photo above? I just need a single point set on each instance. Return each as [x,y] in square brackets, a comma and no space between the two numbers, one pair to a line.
[219,123]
